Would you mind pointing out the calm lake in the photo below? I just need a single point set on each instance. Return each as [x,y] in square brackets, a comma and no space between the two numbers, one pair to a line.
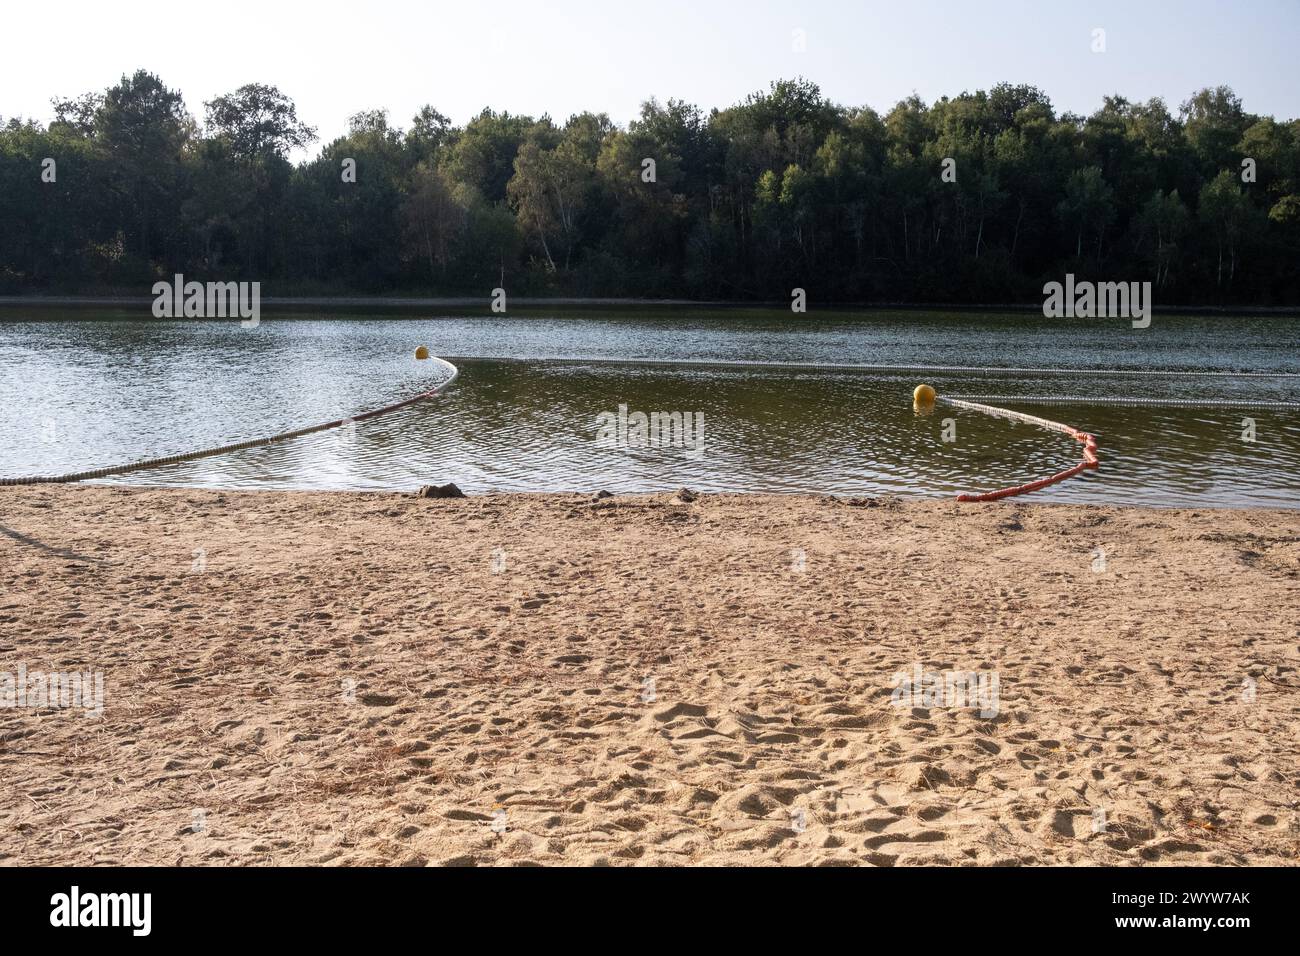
[781,411]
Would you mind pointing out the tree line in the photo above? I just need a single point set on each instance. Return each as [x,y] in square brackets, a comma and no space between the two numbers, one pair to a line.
[978,198]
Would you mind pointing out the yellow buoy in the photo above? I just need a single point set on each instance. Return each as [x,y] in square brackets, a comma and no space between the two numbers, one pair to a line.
[923,395]
[422,352]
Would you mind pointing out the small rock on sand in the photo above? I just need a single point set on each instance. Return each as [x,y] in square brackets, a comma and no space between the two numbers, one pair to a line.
[448,490]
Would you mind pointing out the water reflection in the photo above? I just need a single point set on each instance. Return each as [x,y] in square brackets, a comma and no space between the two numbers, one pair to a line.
[116,391]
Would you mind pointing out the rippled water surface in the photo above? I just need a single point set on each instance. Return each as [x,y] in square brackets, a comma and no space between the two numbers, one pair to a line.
[781,411]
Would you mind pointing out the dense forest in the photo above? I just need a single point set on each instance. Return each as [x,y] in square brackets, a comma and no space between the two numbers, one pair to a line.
[783,190]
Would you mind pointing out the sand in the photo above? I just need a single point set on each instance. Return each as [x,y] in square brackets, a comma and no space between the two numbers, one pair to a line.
[513,679]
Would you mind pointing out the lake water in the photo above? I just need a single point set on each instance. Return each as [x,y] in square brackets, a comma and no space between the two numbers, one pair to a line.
[781,411]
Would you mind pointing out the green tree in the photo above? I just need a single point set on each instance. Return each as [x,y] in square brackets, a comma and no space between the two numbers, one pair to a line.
[484,153]
[143,129]
[258,120]
[1162,223]
[1214,121]
[549,192]
[1088,207]
[1225,211]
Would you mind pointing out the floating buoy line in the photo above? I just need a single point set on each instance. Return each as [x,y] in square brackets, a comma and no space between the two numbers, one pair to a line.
[1090,460]
[1122,400]
[252,443]
[924,397]
[870,367]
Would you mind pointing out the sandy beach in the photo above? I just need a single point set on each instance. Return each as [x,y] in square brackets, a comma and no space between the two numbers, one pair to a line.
[340,679]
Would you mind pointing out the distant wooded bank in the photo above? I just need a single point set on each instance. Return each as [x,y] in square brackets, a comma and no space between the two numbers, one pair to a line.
[979,198]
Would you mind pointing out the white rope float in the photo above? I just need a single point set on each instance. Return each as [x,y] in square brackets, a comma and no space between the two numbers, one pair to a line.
[1121,400]
[925,394]
[239,446]
[924,397]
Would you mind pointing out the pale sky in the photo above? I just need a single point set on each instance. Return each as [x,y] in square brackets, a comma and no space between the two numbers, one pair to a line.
[564,56]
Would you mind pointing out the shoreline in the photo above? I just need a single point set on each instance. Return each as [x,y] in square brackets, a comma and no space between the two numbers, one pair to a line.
[371,678]
[402,303]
